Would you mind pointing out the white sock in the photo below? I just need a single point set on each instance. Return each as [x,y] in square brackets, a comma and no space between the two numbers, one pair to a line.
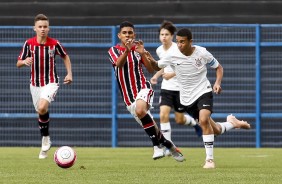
[226,126]
[166,130]
[208,141]
[190,121]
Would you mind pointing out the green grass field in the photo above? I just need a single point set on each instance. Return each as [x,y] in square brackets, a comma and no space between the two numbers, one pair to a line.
[135,165]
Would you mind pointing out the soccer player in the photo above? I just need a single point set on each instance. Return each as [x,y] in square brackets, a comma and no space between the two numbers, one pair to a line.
[127,59]
[189,63]
[38,53]
[169,96]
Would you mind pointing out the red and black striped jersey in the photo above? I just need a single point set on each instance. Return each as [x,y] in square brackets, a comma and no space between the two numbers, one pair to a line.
[43,69]
[130,77]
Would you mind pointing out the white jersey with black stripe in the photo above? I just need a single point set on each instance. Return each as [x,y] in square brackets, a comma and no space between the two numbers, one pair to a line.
[171,84]
[191,72]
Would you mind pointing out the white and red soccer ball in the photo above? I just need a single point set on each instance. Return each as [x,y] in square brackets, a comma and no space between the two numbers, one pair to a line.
[65,157]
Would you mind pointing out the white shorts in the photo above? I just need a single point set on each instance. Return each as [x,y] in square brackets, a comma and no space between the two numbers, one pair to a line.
[144,95]
[47,92]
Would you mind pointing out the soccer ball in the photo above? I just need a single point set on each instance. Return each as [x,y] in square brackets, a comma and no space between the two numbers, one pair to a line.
[65,157]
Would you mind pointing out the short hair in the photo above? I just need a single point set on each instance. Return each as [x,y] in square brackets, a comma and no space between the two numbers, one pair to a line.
[168,26]
[184,32]
[125,24]
[40,17]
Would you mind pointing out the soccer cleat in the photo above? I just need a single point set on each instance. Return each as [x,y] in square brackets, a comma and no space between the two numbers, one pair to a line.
[43,154]
[236,123]
[209,164]
[158,153]
[46,143]
[176,154]
[198,130]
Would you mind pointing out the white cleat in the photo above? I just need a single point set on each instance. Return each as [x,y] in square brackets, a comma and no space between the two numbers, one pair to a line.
[209,164]
[46,143]
[43,154]
[158,153]
[236,123]
[176,154]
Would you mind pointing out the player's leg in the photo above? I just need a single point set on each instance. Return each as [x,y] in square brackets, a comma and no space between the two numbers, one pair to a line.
[204,105]
[164,121]
[43,122]
[166,103]
[208,137]
[231,123]
[42,98]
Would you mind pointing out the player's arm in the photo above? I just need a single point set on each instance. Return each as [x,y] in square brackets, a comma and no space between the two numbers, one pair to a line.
[169,75]
[121,60]
[26,62]
[154,79]
[219,75]
[141,50]
[152,61]
[68,78]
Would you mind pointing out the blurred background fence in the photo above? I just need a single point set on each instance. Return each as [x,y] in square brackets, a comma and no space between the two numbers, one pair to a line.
[90,112]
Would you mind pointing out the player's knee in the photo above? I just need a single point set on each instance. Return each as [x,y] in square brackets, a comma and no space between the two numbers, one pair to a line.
[140,113]
[41,110]
[180,121]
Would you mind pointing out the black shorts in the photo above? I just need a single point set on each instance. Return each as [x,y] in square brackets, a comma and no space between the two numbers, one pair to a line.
[172,99]
[203,102]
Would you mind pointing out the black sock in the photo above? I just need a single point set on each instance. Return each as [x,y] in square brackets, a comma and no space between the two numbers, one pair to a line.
[149,127]
[164,141]
[43,123]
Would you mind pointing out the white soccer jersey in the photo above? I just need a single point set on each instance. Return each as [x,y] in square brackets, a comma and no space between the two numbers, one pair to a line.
[191,72]
[171,84]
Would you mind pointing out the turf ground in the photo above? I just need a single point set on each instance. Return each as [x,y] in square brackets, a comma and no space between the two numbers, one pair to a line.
[135,166]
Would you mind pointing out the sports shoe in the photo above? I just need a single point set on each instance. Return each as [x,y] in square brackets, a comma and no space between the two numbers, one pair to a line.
[198,130]
[167,152]
[43,154]
[176,154]
[236,123]
[158,152]
[209,164]
[46,143]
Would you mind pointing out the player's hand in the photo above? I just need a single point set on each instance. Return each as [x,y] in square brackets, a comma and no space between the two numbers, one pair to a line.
[128,44]
[217,89]
[154,80]
[68,79]
[139,46]
[28,61]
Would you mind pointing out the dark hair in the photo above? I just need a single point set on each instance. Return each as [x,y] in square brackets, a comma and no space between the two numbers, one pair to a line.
[184,32]
[40,17]
[126,24]
[168,26]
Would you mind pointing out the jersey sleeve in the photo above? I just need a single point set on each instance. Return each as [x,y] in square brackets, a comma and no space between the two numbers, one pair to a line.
[165,61]
[113,55]
[210,60]
[60,50]
[24,52]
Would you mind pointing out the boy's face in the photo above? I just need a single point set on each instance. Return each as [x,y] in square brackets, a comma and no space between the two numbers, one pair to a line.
[41,28]
[125,34]
[165,36]
[183,44]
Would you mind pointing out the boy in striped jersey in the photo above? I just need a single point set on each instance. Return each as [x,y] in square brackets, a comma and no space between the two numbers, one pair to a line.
[38,53]
[127,59]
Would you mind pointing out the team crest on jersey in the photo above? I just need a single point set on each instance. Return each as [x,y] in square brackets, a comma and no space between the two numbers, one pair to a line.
[51,53]
[198,62]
